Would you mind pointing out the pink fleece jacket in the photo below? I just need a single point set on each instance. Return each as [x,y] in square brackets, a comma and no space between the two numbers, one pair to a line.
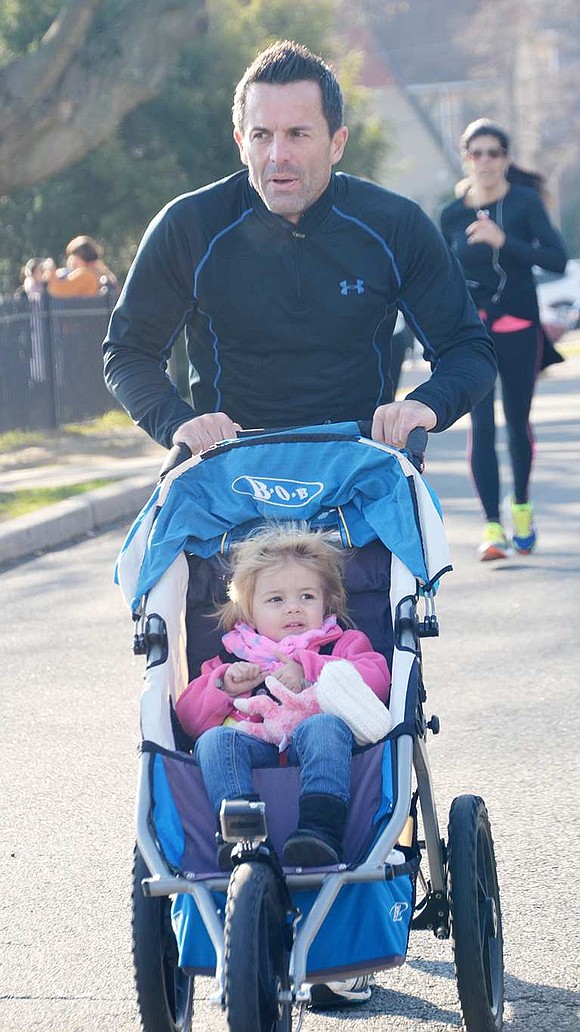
[203,704]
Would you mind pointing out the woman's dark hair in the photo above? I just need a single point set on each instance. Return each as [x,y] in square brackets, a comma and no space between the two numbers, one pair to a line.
[484,127]
[523,177]
[285,62]
[514,174]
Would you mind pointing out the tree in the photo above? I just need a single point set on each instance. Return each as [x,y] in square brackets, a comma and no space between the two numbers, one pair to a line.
[96,62]
[178,140]
[528,54]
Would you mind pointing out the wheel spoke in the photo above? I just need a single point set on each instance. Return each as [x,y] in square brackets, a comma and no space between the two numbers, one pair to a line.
[487,969]
[482,863]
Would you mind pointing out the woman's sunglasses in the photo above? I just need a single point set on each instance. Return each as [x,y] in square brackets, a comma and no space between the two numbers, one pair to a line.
[491,152]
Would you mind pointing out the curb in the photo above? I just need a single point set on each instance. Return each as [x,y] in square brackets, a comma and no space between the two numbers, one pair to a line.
[60,523]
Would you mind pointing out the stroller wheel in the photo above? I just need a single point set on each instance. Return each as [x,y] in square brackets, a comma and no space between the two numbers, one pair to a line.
[256,940]
[164,991]
[475,915]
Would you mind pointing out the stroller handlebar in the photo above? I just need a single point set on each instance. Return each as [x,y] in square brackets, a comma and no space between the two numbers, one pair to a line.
[175,456]
[414,449]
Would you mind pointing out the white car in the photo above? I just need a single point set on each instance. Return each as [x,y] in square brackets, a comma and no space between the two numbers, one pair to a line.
[559,298]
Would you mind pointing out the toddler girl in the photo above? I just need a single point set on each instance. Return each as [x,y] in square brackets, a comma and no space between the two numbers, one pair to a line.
[286,596]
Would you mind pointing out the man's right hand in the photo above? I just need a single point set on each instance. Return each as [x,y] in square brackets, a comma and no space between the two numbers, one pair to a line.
[201,432]
[393,423]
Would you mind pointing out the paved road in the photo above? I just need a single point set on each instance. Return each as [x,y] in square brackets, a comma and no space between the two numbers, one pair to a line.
[503,678]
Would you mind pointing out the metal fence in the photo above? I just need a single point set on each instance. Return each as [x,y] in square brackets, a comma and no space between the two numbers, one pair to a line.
[51,363]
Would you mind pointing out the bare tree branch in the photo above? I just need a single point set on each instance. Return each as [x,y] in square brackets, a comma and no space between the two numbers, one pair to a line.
[57,108]
[26,79]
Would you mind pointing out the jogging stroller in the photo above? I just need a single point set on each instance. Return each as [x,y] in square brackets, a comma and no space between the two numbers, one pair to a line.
[268,934]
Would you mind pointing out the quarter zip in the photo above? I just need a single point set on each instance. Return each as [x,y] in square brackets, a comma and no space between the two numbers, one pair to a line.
[298,236]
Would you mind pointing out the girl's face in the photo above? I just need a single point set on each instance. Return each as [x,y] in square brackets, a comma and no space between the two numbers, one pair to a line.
[287,600]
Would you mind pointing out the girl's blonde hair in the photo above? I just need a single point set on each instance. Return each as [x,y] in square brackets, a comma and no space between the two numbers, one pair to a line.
[272,548]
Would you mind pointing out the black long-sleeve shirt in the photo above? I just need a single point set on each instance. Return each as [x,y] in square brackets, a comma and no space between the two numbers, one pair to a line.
[502,283]
[291,324]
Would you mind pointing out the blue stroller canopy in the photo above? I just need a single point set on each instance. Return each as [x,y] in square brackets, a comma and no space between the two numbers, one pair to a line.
[305,475]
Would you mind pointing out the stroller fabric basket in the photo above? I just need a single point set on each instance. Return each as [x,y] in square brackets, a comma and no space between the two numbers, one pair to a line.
[185,835]
[382,512]
[366,930]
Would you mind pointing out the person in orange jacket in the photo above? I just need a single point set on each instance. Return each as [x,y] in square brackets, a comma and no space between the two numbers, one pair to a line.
[85,275]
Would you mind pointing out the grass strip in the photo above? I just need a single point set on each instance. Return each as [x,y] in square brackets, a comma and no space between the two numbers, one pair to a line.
[110,422]
[19,503]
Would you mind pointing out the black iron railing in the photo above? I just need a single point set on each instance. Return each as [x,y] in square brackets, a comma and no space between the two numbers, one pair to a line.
[51,363]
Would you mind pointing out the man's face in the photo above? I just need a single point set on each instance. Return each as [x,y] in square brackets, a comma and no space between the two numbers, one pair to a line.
[286,144]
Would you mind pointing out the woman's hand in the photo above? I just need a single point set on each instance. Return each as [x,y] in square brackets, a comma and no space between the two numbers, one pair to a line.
[290,674]
[485,231]
[242,677]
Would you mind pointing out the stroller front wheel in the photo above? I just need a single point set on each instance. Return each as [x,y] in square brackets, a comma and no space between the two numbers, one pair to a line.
[164,990]
[475,915]
[256,940]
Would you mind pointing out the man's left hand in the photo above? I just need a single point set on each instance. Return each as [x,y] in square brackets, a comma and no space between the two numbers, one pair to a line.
[393,423]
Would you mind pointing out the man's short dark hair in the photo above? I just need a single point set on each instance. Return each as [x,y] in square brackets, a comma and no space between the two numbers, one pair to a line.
[285,62]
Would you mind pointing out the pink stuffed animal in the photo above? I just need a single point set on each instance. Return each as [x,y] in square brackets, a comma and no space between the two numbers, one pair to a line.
[278,720]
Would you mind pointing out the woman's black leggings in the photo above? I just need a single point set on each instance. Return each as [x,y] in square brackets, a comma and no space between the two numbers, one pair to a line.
[518,357]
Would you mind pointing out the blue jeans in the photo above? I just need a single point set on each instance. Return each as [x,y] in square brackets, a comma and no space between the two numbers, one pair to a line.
[321,746]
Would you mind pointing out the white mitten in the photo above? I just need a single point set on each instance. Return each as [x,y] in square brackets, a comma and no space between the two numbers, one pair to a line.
[340,690]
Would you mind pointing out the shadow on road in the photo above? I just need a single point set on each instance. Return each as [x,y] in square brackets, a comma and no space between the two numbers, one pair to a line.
[524,1000]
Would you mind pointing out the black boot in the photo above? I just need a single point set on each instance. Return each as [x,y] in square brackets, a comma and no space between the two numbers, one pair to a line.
[317,842]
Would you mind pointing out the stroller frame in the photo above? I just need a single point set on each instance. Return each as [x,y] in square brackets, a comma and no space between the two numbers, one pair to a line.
[434,911]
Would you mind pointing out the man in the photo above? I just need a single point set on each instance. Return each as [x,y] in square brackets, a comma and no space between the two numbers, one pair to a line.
[287,279]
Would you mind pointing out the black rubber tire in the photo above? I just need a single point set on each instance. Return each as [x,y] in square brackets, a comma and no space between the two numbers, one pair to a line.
[475,916]
[164,990]
[256,943]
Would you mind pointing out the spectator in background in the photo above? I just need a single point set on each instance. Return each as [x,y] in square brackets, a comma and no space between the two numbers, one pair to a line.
[85,275]
[499,229]
[31,279]
[32,287]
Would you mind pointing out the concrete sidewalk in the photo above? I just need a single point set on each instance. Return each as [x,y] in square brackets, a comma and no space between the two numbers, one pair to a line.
[79,471]
[63,522]
[136,473]
[128,458]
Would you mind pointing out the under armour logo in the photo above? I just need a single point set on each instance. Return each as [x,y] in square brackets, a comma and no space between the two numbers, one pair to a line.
[347,288]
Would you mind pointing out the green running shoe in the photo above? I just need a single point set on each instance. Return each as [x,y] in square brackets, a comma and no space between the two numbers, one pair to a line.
[524,535]
[495,544]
